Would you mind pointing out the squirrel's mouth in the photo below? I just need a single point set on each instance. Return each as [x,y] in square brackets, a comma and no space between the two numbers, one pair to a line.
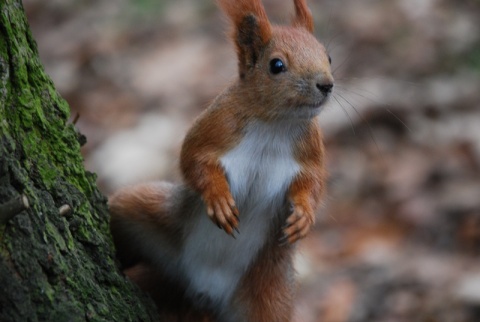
[308,111]
[314,101]
[318,103]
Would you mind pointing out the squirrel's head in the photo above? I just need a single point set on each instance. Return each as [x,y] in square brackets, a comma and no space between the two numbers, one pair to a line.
[283,68]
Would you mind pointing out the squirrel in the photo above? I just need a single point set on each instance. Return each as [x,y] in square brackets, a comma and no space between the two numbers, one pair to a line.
[219,246]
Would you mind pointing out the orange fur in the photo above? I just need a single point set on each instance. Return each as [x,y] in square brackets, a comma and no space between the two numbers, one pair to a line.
[152,222]
[303,15]
[251,30]
[200,166]
[147,204]
[239,9]
[267,289]
[308,188]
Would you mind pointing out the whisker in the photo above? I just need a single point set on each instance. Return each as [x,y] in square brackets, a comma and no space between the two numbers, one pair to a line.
[335,36]
[370,130]
[346,113]
[416,84]
[377,102]
[334,219]
[327,31]
[398,119]
[363,90]
[371,98]
[343,63]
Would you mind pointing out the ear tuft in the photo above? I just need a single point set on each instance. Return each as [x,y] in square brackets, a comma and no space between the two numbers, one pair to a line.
[303,15]
[237,10]
[251,29]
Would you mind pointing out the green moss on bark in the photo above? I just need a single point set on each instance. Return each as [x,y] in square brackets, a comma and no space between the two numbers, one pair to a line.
[52,267]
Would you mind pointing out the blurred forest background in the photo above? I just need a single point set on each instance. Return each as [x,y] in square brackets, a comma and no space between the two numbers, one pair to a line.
[398,238]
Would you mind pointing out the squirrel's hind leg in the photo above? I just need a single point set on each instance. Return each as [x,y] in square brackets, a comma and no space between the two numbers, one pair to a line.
[266,291]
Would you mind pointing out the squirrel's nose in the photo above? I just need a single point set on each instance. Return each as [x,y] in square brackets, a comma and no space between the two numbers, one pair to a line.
[325,88]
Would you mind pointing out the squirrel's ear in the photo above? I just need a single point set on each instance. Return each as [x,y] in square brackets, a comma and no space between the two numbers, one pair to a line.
[251,30]
[303,15]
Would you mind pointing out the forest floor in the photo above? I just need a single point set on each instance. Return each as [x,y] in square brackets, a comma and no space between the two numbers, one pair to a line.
[398,238]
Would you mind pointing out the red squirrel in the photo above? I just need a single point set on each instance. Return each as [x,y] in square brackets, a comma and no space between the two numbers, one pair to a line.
[219,246]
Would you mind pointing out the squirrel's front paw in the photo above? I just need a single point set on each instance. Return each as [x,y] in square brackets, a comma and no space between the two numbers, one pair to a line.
[298,224]
[222,211]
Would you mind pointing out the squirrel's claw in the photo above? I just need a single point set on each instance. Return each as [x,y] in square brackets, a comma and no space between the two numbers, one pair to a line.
[297,226]
[224,213]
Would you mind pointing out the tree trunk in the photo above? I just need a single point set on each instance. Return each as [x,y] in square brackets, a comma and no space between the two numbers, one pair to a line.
[56,257]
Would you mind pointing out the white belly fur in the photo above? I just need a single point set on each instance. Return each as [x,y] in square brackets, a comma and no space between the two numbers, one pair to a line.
[259,170]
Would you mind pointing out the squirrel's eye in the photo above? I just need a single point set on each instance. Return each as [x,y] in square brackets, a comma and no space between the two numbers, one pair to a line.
[329,59]
[277,66]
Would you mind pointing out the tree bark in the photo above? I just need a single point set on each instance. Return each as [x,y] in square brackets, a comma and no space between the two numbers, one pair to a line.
[55,265]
